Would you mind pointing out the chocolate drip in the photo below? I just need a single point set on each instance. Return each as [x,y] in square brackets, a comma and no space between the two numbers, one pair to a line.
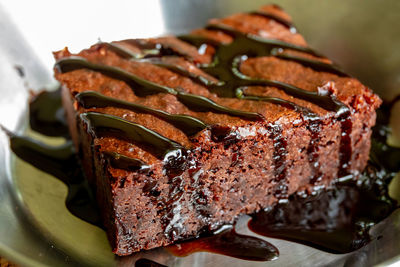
[62,163]
[345,150]
[140,86]
[183,72]
[47,115]
[279,161]
[122,51]
[312,151]
[228,243]
[104,124]
[41,156]
[306,113]
[148,50]
[204,104]
[171,217]
[327,102]
[284,22]
[280,152]
[189,125]
[261,46]
[336,220]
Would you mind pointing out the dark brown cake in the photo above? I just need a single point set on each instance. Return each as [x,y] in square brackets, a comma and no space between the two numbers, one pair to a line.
[182,135]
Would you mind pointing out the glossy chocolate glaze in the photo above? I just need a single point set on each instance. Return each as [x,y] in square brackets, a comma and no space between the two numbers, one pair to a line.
[345,149]
[335,220]
[142,87]
[229,57]
[312,150]
[119,161]
[227,60]
[104,125]
[239,91]
[231,83]
[189,125]
[314,64]
[47,115]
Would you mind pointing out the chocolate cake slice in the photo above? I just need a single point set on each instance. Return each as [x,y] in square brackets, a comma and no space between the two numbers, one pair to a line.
[179,135]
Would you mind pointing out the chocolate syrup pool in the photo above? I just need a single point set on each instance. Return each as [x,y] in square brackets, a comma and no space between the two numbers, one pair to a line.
[336,220]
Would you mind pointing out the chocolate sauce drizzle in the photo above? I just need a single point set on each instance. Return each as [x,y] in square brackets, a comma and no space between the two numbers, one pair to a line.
[143,87]
[226,67]
[123,162]
[231,81]
[314,128]
[104,124]
[239,91]
[279,158]
[345,150]
[336,220]
[47,115]
[229,57]
[189,125]
[314,64]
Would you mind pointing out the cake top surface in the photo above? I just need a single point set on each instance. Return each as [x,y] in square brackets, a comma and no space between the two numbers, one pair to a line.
[243,72]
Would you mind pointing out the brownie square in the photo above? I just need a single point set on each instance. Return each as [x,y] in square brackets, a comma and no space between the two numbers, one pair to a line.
[180,135]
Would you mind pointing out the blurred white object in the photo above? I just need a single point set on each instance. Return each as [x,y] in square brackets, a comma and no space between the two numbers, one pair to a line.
[79,24]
